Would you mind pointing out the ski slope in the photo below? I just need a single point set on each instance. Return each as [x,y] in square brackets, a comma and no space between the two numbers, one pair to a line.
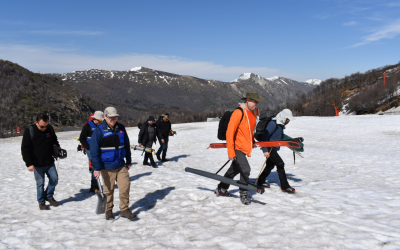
[347,195]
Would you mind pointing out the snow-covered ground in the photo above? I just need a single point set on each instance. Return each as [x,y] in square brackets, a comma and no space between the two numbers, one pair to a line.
[347,195]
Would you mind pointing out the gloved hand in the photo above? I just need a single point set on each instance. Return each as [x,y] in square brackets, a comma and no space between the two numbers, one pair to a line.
[299,139]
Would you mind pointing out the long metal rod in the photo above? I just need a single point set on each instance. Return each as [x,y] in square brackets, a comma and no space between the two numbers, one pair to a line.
[222,167]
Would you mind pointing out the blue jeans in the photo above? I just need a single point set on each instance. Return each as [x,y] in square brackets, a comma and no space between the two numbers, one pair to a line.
[163,148]
[52,175]
[93,181]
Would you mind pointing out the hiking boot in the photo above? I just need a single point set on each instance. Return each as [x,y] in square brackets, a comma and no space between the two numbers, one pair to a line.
[94,190]
[244,198]
[164,160]
[154,165]
[158,157]
[52,202]
[42,206]
[222,192]
[146,164]
[128,214]
[109,215]
[289,190]
[264,185]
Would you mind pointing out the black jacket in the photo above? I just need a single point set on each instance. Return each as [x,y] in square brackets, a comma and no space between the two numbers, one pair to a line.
[144,135]
[164,127]
[38,151]
[85,133]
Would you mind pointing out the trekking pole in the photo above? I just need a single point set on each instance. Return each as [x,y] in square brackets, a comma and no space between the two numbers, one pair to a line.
[262,169]
[222,167]
[294,151]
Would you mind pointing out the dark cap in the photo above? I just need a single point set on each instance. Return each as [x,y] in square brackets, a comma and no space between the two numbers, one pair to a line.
[151,118]
[166,115]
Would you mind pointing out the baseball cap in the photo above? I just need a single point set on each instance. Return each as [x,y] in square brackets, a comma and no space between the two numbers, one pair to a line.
[111,112]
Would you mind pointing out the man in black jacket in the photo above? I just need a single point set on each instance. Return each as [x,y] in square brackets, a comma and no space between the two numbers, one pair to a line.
[147,135]
[95,120]
[164,126]
[37,150]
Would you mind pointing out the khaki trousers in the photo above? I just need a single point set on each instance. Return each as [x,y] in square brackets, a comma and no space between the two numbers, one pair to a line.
[121,176]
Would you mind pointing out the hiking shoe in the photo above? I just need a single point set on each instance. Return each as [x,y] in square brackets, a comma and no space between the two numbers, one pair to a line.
[146,164]
[128,214]
[264,185]
[222,192]
[52,202]
[94,190]
[154,165]
[244,198]
[289,190]
[42,206]
[158,157]
[109,215]
[164,160]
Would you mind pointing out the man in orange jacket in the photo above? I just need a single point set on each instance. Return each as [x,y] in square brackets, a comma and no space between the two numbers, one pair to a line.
[240,141]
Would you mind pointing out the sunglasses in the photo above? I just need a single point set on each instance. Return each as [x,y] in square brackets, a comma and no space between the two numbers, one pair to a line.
[42,126]
[151,120]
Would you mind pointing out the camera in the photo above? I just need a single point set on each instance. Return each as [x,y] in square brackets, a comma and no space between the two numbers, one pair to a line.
[59,152]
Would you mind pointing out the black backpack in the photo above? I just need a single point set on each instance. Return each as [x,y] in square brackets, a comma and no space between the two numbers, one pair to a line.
[223,123]
[265,118]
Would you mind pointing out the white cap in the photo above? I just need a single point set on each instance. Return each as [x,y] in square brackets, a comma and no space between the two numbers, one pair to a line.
[98,115]
[111,112]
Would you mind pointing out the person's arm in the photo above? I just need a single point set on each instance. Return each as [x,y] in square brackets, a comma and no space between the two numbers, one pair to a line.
[127,149]
[27,148]
[141,134]
[231,131]
[84,135]
[95,150]
[269,130]
[158,125]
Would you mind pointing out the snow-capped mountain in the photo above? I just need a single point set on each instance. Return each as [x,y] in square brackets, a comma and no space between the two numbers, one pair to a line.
[278,89]
[314,81]
[146,89]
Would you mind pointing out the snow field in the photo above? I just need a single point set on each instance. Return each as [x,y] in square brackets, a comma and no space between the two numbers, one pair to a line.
[347,195]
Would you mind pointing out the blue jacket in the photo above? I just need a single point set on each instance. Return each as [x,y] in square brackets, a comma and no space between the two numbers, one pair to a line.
[272,133]
[110,157]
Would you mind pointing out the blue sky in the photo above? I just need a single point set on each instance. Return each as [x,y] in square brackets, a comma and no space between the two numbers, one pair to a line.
[209,39]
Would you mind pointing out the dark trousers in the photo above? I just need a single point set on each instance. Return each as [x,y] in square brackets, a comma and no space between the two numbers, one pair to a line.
[239,166]
[275,160]
[163,148]
[148,156]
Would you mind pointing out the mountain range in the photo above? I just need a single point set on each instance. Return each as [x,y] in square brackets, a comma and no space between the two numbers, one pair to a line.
[144,89]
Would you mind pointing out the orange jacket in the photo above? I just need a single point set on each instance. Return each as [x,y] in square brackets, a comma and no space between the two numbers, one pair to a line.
[240,135]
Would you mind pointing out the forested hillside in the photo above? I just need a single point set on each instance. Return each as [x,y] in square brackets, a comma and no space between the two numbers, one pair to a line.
[361,93]
[24,94]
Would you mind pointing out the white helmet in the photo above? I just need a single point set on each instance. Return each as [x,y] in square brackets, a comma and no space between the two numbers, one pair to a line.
[283,115]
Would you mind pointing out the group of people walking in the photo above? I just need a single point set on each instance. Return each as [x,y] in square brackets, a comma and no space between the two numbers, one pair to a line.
[107,146]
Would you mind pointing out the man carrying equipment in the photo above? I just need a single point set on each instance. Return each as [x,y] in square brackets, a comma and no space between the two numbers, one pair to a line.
[240,141]
[109,146]
[37,150]
[274,132]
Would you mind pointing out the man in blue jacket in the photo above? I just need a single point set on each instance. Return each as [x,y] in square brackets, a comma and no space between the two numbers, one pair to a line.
[109,146]
[274,132]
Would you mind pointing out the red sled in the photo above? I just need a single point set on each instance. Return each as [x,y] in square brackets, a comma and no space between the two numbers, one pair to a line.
[291,144]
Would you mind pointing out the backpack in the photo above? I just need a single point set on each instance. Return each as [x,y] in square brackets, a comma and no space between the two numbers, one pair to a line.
[223,123]
[265,118]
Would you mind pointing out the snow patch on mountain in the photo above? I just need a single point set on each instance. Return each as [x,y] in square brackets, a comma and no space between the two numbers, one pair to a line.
[273,78]
[135,69]
[314,81]
[244,76]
